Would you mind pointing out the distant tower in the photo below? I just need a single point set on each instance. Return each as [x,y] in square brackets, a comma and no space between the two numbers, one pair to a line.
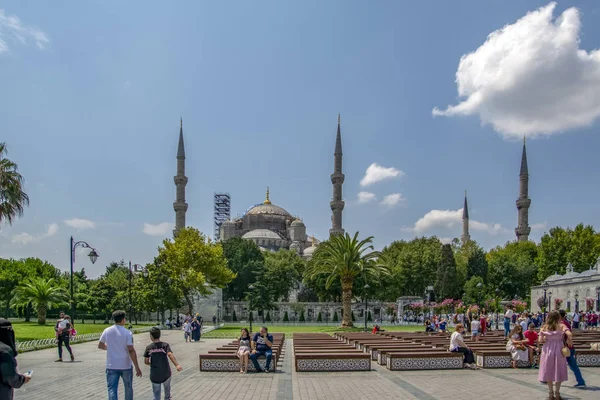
[180,206]
[222,211]
[337,178]
[465,220]
[523,202]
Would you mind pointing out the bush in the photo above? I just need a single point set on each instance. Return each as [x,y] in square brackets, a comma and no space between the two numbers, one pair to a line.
[302,319]
[335,317]
[286,317]
[353,318]
[369,317]
[234,317]
[319,317]
[268,317]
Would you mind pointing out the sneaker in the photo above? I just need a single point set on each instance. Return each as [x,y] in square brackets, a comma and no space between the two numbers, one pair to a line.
[579,386]
[267,370]
[59,360]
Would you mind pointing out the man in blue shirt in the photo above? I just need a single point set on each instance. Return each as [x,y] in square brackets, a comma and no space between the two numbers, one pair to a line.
[261,346]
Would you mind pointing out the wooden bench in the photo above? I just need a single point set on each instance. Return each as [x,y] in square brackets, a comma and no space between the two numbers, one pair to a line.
[424,361]
[229,362]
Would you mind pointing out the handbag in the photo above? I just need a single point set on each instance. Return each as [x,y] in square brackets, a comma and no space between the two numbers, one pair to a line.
[565,351]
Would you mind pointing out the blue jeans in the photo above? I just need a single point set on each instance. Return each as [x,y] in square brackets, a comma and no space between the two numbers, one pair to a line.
[506,326]
[572,361]
[157,386]
[268,355]
[112,382]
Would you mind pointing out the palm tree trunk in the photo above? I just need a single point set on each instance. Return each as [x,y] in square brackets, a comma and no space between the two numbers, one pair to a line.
[41,314]
[347,302]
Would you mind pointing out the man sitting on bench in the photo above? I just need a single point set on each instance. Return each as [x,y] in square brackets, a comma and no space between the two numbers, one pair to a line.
[261,346]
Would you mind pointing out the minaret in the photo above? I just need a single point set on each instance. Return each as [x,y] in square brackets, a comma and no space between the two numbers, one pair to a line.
[180,206]
[523,202]
[465,220]
[337,178]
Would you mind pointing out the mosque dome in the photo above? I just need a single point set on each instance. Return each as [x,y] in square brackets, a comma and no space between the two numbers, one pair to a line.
[261,234]
[589,272]
[268,208]
[297,222]
[570,272]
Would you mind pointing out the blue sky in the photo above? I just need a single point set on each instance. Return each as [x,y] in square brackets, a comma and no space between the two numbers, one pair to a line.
[91,95]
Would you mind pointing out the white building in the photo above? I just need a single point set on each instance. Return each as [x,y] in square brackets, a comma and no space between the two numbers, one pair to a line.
[573,288]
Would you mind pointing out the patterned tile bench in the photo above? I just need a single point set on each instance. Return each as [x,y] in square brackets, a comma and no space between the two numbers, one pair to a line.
[424,361]
[587,357]
[229,363]
[312,362]
[496,359]
[375,351]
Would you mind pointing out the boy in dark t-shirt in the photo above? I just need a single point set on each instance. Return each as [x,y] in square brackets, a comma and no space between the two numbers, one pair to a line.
[157,356]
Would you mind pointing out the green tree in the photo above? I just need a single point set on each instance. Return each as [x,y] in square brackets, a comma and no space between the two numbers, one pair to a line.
[560,246]
[512,269]
[335,317]
[42,293]
[473,292]
[467,256]
[12,197]
[392,285]
[234,317]
[343,258]
[286,317]
[477,264]
[283,271]
[244,259]
[446,282]
[268,319]
[194,264]
[370,317]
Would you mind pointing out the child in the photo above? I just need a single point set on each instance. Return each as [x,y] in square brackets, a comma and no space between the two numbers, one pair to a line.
[443,323]
[156,357]
[187,331]
[475,328]
[243,352]
[532,338]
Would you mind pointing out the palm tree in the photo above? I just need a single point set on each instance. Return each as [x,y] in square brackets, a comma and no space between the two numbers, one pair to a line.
[12,197]
[345,258]
[42,294]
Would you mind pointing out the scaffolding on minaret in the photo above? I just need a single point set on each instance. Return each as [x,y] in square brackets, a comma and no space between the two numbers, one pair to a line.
[222,211]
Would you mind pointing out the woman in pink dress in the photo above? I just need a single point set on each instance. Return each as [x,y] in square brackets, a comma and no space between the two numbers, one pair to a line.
[553,365]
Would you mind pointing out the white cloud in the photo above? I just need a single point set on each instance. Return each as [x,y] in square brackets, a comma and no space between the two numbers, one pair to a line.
[539,227]
[79,223]
[451,219]
[445,240]
[393,199]
[376,173]
[11,27]
[158,229]
[23,238]
[365,197]
[26,238]
[531,78]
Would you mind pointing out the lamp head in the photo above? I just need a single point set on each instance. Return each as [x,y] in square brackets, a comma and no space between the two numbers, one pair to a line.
[93,256]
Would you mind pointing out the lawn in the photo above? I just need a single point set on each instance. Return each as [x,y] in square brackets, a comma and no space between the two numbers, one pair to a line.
[289,330]
[25,331]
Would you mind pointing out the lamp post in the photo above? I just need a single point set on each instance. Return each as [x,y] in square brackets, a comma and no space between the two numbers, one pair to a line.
[576,302]
[327,313]
[550,300]
[545,288]
[93,255]
[366,287]
[479,286]
[497,306]
[218,313]
[132,268]
[597,298]
[251,288]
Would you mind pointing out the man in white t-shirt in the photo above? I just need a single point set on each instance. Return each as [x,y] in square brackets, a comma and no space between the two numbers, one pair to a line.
[507,317]
[120,356]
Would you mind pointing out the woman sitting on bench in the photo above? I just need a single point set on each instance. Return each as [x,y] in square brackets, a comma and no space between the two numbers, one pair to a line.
[457,344]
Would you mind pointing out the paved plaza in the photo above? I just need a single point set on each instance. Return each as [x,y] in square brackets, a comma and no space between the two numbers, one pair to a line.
[85,379]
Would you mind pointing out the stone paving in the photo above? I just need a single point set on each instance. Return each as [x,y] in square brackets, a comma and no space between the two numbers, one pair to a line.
[85,379]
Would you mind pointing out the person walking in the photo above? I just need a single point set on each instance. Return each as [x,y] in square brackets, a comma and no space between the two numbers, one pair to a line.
[553,366]
[508,314]
[572,358]
[63,337]
[120,356]
[157,356]
[10,378]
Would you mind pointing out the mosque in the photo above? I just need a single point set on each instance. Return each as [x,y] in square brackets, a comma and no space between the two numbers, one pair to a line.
[268,225]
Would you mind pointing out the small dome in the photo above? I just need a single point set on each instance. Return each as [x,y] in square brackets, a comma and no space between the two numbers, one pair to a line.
[268,209]
[261,234]
[589,272]
[309,251]
[554,277]
[297,222]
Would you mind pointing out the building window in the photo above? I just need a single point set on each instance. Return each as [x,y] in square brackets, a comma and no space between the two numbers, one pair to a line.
[568,305]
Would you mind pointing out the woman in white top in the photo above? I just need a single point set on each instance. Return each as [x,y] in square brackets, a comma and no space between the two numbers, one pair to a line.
[507,317]
[457,344]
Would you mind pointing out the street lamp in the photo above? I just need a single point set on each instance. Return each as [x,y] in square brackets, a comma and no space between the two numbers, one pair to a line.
[497,306]
[545,286]
[479,286]
[576,302]
[366,287]
[219,313]
[93,255]
[597,298]
[251,288]
[428,291]
[132,268]
[549,300]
